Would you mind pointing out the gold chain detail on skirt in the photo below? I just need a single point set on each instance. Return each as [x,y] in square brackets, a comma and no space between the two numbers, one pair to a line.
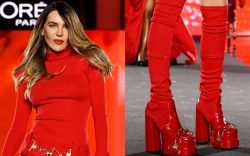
[47,152]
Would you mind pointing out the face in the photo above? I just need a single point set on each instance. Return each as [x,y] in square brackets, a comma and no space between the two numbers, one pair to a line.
[55,32]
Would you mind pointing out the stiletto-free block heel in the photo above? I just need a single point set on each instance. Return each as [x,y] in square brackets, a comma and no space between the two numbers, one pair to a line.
[222,135]
[175,140]
[153,142]
[202,128]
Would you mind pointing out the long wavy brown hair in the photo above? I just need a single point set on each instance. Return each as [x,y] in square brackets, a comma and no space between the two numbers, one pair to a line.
[32,67]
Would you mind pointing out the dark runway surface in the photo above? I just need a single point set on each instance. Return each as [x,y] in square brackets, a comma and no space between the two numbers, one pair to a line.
[185,88]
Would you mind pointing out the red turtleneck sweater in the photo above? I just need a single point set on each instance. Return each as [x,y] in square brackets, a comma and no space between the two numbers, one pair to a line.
[62,106]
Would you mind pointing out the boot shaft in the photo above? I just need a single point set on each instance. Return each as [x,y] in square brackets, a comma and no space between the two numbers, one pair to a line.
[213,40]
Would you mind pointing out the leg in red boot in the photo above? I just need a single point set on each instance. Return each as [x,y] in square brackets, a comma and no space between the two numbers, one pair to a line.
[209,109]
[161,116]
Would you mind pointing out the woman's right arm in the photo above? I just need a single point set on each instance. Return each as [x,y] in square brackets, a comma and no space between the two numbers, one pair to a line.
[19,123]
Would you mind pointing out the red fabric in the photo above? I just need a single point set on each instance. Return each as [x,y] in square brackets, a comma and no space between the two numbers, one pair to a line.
[214,28]
[183,41]
[159,53]
[127,9]
[62,107]
[133,30]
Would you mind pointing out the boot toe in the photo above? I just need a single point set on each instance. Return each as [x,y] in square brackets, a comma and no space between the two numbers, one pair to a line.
[183,144]
[226,138]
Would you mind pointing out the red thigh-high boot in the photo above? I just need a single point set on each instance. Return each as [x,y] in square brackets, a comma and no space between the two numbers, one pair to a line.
[161,117]
[209,109]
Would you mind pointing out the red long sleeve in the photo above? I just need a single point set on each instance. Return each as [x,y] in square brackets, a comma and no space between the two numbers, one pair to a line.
[19,124]
[97,95]
[62,105]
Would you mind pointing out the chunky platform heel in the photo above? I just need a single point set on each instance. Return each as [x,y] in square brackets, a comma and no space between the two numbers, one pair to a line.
[163,122]
[153,142]
[223,134]
[202,128]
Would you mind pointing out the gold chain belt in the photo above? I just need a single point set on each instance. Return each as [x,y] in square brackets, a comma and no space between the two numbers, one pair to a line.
[47,152]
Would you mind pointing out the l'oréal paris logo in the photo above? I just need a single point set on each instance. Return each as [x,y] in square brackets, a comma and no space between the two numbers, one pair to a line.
[20,15]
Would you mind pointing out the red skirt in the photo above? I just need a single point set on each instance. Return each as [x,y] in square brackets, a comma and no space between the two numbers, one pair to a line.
[36,146]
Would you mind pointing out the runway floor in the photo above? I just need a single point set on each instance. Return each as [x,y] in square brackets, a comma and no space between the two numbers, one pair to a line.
[185,88]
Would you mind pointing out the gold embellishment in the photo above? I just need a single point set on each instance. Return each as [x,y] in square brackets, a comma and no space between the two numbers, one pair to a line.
[33,146]
[177,141]
[176,145]
[229,126]
[46,152]
[187,131]
[220,133]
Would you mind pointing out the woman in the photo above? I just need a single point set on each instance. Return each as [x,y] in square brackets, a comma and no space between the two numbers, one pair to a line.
[62,77]
[161,116]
